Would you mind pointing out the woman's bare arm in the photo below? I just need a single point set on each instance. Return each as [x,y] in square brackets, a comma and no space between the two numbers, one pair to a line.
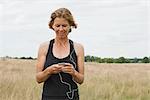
[79,76]
[41,75]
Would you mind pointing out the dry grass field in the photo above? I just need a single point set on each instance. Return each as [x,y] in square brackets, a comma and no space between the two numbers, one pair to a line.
[102,81]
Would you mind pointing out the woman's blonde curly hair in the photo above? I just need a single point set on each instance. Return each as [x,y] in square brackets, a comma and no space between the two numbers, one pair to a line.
[62,13]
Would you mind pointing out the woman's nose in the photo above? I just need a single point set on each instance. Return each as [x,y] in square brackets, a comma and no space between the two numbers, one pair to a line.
[61,28]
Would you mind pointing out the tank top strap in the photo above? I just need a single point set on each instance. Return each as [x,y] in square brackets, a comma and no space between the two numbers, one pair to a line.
[71,45]
[51,45]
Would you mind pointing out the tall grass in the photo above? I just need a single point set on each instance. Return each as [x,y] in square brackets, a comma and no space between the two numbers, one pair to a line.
[102,81]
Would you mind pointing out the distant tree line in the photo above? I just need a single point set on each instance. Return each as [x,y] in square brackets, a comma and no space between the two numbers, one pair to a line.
[30,58]
[8,57]
[89,58]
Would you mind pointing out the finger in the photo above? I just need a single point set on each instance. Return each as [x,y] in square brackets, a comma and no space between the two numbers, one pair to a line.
[55,71]
[68,70]
[68,64]
[57,66]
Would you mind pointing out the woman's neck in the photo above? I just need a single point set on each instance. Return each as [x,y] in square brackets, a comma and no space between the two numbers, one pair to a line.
[61,42]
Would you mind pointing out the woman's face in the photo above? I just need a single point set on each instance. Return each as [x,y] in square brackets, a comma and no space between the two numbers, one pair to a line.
[61,27]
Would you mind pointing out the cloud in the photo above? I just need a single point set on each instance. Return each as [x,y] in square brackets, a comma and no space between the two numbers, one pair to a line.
[105,28]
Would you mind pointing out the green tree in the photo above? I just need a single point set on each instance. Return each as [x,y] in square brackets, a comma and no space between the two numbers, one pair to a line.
[145,60]
[87,58]
[135,60]
[109,60]
[120,60]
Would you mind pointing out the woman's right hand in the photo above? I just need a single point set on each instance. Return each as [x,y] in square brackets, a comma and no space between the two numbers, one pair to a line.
[54,69]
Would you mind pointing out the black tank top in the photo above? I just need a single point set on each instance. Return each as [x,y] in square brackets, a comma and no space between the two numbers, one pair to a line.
[60,86]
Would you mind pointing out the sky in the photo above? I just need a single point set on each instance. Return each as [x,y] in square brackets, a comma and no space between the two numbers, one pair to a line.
[106,28]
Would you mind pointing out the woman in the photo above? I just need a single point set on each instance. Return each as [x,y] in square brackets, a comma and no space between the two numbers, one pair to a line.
[60,63]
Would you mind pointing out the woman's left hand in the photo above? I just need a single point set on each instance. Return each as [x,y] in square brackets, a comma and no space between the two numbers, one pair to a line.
[68,68]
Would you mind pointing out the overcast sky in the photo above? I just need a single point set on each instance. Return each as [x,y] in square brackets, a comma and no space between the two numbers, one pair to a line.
[106,28]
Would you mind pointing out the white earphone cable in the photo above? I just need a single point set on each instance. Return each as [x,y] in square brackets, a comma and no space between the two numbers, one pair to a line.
[66,83]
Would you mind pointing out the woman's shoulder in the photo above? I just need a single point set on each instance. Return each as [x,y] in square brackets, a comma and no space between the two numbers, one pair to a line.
[43,48]
[44,44]
[78,47]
